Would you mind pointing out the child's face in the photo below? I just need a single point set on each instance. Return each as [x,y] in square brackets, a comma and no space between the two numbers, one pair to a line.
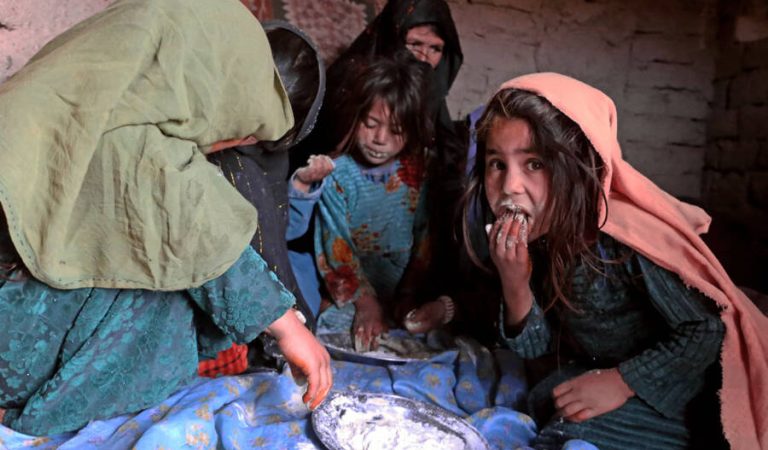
[378,141]
[425,44]
[515,175]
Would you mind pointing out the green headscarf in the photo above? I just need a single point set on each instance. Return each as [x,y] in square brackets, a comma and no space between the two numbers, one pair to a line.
[103,175]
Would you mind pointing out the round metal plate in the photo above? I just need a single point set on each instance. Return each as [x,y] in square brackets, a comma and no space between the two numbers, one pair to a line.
[438,426]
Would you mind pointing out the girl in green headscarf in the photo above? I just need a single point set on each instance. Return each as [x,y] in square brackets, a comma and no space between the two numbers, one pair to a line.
[124,252]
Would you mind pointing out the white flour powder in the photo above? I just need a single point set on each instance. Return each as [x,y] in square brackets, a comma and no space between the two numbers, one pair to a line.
[379,425]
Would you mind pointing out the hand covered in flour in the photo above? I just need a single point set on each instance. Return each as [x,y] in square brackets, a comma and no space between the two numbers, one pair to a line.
[317,168]
[591,394]
[508,245]
[368,323]
[306,356]
[430,316]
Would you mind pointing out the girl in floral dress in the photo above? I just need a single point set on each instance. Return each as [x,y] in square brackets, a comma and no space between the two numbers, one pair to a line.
[370,221]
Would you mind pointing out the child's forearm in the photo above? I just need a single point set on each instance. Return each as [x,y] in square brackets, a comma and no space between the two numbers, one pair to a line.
[517,305]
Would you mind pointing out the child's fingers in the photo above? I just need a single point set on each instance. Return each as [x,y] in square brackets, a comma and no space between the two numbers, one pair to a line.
[498,236]
[503,235]
[566,399]
[364,334]
[413,322]
[420,320]
[571,409]
[513,237]
[579,415]
[325,377]
[310,397]
[561,389]
[360,343]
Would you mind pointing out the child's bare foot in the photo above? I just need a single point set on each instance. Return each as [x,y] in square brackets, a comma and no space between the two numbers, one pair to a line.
[429,316]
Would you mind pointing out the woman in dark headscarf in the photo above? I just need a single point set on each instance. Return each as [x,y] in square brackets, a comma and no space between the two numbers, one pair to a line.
[401,25]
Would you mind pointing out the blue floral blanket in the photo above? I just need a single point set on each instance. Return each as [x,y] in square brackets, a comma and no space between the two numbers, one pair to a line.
[264,409]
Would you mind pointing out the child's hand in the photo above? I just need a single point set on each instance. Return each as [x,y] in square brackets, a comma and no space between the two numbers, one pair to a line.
[317,168]
[509,250]
[306,356]
[508,243]
[591,394]
[368,323]
[429,316]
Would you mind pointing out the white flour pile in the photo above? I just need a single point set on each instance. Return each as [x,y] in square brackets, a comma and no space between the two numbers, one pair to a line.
[379,425]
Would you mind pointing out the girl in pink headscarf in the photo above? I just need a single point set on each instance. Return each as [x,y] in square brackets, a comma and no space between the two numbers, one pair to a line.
[606,275]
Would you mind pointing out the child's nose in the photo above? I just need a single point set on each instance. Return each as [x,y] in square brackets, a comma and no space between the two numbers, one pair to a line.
[380,135]
[513,183]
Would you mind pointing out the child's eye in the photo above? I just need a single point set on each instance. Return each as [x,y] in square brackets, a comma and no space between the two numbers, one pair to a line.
[397,131]
[534,164]
[495,164]
[370,124]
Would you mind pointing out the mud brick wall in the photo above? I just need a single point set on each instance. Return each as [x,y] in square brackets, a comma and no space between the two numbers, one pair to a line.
[735,188]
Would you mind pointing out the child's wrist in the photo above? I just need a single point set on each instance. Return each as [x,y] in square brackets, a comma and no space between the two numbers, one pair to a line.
[366,302]
[628,392]
[299,184]
[517,306]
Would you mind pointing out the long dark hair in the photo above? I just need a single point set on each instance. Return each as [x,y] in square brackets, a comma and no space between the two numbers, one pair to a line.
[575,191]
[401,83]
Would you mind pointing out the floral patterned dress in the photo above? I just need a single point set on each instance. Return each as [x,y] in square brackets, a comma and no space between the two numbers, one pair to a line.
[371,224]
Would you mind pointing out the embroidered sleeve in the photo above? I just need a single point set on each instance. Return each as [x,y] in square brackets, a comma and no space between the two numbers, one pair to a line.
[244,300]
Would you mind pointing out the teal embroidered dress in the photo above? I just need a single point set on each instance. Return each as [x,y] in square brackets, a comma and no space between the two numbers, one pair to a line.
[371,222]
[71,356]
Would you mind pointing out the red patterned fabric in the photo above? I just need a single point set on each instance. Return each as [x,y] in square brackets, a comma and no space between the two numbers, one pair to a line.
[262,9]
[232,361]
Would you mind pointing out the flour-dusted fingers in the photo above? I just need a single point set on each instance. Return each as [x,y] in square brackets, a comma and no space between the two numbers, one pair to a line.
[362,343]
[500,237]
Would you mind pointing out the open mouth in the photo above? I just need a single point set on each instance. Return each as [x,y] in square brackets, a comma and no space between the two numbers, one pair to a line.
[374,154]
[509,211]
[512,211]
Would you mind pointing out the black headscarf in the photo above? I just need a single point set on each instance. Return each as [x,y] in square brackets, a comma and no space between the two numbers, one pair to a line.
[259,171]
[385,36]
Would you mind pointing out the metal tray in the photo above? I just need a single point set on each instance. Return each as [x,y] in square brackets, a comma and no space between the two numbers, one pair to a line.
[345,414]
[340,347]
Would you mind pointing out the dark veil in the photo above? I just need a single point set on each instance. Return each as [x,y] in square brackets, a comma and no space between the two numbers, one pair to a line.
[259,171]
[385,36]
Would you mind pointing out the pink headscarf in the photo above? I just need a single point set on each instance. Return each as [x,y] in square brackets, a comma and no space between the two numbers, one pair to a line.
[666,231]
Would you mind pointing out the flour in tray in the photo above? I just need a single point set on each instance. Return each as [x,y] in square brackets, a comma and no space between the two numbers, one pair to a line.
[379,425]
